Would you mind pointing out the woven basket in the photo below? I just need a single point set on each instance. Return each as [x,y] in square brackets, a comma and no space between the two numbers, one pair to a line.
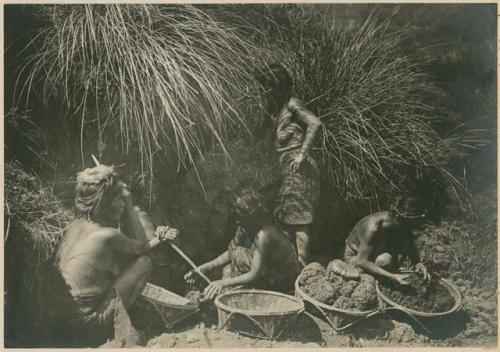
[339,319]
[258,313]
[171,307]
[452,289]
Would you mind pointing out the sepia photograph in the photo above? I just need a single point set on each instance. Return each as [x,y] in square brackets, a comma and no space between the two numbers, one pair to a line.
[317,175]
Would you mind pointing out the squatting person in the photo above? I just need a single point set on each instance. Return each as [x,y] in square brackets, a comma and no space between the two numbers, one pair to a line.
[296,128]
[259,256]
[104,270]
[380,242]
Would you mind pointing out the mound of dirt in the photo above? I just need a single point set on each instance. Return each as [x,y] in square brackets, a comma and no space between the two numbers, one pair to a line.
[330,288]
[420,295]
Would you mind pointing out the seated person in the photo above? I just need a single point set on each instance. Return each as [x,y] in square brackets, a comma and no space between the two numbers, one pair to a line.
[92,252]
[260,255]
[380,241]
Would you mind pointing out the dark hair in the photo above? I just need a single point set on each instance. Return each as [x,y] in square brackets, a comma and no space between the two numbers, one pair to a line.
[408,207]
[248,202]
[275,76]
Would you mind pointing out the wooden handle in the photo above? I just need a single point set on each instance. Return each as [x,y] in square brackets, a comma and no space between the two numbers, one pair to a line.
[193,265]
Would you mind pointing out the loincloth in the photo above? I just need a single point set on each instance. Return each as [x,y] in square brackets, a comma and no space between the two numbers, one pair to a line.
[299,192]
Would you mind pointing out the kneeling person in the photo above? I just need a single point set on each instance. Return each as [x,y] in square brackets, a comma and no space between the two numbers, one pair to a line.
[259,256]
[104,270]
[380,241]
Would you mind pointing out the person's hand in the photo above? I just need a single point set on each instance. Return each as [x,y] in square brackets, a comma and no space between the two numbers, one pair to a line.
[124,190]
[215,288]
[166,233]
[402,279]
[189,277]
[420,268]
[295,164]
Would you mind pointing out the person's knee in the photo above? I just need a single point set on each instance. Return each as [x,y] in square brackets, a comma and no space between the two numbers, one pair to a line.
[145,263]
[384,260]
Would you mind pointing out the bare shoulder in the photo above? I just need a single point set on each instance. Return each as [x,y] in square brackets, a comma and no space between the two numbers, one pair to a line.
[380,220]
[267,235]
[104,233]
[371,224]
[295,103]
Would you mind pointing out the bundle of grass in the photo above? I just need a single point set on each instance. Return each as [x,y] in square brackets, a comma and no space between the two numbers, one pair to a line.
[35,222]
[377,135]
[168,77]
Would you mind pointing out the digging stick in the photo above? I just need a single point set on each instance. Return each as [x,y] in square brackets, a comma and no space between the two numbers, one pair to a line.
[193,265]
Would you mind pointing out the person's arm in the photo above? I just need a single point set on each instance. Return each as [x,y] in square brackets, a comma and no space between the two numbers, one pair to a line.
[312,122]
[262,243]
[119,243]
[414,256]
[221,260]
[133,216]
[365,249]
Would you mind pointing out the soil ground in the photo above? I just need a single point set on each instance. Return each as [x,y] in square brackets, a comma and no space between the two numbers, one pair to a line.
[474,325]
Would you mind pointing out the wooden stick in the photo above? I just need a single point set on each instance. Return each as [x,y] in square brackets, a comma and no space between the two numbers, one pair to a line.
[193,265]
[96,162]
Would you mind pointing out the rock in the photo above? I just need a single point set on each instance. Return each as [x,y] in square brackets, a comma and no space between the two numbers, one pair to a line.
[191,338]
[485,295]
[473,332]
[343,269]
[439,249]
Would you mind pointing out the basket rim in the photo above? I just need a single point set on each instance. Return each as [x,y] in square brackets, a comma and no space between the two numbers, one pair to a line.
[230,309]
[450,286]
[189,305]
[355,313]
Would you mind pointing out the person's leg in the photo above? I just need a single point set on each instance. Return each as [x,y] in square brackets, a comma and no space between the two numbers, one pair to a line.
[302,238]
[384,260]
[132,280]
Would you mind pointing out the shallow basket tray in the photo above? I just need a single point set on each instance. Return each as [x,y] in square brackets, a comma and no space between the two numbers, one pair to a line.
[258,313]
[171,307]
[450,286]
[339,319]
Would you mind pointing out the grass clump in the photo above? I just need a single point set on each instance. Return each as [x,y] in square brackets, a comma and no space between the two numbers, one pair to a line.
[374,101]
[170,77]
[34,226]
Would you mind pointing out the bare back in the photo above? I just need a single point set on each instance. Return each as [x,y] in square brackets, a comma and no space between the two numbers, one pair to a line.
[85,260]
[373,229]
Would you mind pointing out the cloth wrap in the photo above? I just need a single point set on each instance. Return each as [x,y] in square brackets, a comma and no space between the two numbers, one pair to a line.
[273,277]
[299,192]
[92,185]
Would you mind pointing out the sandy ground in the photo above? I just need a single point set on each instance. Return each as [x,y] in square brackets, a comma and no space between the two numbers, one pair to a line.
[475,325]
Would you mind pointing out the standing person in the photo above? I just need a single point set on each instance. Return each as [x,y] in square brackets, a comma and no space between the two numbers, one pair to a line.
[259,256]
[99,290]
[296,128]
[380,242]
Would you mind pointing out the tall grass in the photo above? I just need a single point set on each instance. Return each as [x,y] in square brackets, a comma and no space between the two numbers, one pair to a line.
[374,102]
[169,77]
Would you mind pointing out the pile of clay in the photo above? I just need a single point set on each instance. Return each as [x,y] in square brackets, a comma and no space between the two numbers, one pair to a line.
[419,295]
[340,285]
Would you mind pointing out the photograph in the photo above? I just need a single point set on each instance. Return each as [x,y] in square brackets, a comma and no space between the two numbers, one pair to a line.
[236,175]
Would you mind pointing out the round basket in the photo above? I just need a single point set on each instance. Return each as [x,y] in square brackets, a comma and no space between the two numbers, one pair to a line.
[338,318]
[258,313]
[452,289]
